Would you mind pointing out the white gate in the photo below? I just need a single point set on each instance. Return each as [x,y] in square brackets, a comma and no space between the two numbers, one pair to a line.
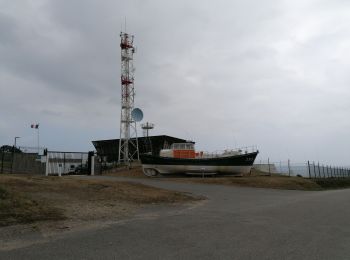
[59,163]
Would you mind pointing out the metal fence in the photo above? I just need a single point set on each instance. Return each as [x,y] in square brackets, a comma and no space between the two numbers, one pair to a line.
[60,163]
[308,169]
[27,160]
[15,160]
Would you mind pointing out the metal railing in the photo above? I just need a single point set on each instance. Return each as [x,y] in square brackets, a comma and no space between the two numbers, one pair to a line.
[230,152]
[307,169]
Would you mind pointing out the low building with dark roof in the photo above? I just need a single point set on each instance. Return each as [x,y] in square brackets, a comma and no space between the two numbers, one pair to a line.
[110,148]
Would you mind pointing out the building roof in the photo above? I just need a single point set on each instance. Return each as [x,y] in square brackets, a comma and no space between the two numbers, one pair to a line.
[110,147]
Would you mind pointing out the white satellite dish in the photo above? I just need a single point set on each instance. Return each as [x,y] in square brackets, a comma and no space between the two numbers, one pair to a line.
[137,114]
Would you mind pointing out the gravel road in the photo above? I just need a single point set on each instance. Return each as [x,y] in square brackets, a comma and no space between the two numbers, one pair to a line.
[233,223]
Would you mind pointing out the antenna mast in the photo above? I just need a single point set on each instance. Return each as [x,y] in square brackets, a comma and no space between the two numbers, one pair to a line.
[128,144]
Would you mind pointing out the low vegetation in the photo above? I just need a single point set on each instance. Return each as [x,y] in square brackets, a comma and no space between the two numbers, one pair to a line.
[16,208]
[255,179]
[332,183]
[34,198]
[272,182]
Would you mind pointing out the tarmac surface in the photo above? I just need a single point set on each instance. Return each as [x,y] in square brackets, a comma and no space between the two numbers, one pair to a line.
[233,223]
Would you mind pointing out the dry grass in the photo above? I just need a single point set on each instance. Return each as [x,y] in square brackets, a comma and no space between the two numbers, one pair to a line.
[16,208]
[135,172]
[33,198]
[272,182]
[255,179]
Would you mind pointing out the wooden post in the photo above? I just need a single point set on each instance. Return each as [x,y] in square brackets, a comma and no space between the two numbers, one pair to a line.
[308,166]
[268,162]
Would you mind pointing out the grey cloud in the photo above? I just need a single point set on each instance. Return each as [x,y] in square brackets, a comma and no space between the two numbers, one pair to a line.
[271,73]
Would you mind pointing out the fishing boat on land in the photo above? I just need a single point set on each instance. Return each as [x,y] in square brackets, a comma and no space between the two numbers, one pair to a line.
[182,158]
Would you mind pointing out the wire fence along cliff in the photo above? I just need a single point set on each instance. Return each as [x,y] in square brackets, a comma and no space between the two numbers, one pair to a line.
[308,169]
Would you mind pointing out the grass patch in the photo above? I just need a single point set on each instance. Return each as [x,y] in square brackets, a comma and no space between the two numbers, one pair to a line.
[16,208]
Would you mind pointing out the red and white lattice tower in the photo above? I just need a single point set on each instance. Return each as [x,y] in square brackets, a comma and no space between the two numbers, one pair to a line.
[128,145]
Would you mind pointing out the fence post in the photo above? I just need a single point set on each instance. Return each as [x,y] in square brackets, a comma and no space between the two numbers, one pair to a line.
[314,170]
[92,170]
[47,165]
[268,162]
[324,175]
[319,172]
[327,171]
[64,163]
[13,155]
[289,167]
[337,173]
[2,159]
[308,166]
[280,167]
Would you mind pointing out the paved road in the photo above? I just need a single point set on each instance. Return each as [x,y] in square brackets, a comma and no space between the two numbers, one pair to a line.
[234,223]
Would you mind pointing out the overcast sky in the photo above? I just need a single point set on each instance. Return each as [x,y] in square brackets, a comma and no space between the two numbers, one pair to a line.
[271,73]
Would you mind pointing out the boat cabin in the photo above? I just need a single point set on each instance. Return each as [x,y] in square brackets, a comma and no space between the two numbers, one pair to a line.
[179,150]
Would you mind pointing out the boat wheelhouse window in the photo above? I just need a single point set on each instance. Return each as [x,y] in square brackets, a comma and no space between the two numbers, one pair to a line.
[183,146]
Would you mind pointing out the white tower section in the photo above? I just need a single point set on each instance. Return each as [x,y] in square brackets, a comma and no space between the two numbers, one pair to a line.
[146,127]
[128,145]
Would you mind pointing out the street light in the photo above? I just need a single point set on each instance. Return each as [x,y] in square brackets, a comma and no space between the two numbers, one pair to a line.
[16,137]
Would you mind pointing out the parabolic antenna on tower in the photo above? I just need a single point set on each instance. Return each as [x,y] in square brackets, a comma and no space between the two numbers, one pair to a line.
[137,114]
